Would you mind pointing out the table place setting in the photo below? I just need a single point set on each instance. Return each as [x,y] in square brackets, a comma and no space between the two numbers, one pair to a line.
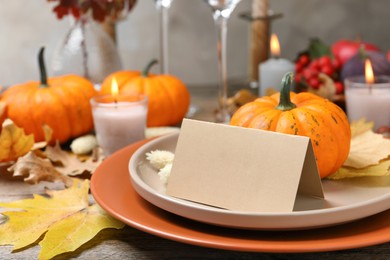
[101,159]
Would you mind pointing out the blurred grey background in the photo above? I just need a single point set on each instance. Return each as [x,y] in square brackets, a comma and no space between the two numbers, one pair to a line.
[27,25]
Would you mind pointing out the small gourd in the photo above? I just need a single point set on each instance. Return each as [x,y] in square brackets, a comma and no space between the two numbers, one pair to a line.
[168,97]
[302,114]
[62,103]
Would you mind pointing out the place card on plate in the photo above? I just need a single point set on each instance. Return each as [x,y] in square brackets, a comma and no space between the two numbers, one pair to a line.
[243,169]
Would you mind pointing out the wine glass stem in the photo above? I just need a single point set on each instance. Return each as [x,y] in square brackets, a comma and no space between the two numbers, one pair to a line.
[221,26]
[163,13]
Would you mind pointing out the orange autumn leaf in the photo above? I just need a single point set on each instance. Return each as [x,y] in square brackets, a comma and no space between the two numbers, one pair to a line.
[14,142]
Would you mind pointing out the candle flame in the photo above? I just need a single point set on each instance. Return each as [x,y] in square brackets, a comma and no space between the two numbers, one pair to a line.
[275,47]
[114,88]
[369,73]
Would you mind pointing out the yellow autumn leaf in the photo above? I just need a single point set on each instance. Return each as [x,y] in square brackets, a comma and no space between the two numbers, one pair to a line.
[369,153]
[48,133]
[367,149]
[65,215]
[360,126]
[14,142]
[381,169]
[83,226]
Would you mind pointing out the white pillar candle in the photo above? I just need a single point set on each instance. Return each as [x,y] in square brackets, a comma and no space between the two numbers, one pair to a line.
[119,121]
[368,100]
[272,70]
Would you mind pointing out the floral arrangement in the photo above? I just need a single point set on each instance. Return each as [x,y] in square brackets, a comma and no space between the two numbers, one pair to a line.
[100,8]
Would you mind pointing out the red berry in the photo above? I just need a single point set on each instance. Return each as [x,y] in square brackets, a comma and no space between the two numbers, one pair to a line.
[298,77]
[309,73]
[314,83]
[336,64]
[325,61]
[339,87]
[328,70]
[304,60]
[315,64]
[298,67]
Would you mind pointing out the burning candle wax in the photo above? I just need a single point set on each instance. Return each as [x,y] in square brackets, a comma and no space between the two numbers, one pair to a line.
[272,70]
[119,120]
[368,97]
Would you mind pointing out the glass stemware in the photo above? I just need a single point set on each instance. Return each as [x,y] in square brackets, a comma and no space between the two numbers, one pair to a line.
[221,13]
[162,7]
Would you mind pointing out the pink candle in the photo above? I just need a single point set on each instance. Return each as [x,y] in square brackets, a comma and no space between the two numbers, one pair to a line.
[119,120]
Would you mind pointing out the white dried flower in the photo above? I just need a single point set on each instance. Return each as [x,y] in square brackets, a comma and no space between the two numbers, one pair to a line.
[165,172]
[160,158]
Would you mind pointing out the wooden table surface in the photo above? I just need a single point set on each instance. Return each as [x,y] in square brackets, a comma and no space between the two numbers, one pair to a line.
[130,243]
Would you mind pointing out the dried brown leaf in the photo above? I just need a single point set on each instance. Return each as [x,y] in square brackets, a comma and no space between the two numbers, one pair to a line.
[35,169]
[69,164]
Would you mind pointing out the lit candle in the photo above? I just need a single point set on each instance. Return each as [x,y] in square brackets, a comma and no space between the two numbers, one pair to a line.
[368,97]
[272,70]
[119,120]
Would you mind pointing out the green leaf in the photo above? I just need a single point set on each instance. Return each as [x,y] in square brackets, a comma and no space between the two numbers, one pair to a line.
[318,48]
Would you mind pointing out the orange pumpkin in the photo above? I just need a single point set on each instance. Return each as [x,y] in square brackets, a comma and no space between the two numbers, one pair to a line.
[304,114]
[62,103]
[168,97]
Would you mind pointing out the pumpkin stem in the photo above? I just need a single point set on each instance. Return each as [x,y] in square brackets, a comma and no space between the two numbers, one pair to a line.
[285,101]
[42,68]
[145,72]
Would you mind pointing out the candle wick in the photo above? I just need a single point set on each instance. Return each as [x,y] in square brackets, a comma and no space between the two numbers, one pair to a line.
[370,89]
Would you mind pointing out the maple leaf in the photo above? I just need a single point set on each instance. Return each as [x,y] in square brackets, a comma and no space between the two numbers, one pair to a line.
[367,149]
[381,169]
[69,163]
[54,165]
[14,142]
[48,133]
[64,216]
[369,154]
[360,126]
[35,169]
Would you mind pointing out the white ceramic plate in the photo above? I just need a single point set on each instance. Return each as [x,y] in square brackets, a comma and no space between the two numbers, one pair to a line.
[345,200]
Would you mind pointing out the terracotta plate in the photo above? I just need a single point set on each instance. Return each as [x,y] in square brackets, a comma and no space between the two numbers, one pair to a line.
[112,189]
[345,200]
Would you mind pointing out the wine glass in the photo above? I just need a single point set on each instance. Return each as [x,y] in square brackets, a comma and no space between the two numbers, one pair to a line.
[162,7]
[221,13]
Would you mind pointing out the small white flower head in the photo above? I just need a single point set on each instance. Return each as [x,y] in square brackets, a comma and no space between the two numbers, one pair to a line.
[160,158]
[165,172]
